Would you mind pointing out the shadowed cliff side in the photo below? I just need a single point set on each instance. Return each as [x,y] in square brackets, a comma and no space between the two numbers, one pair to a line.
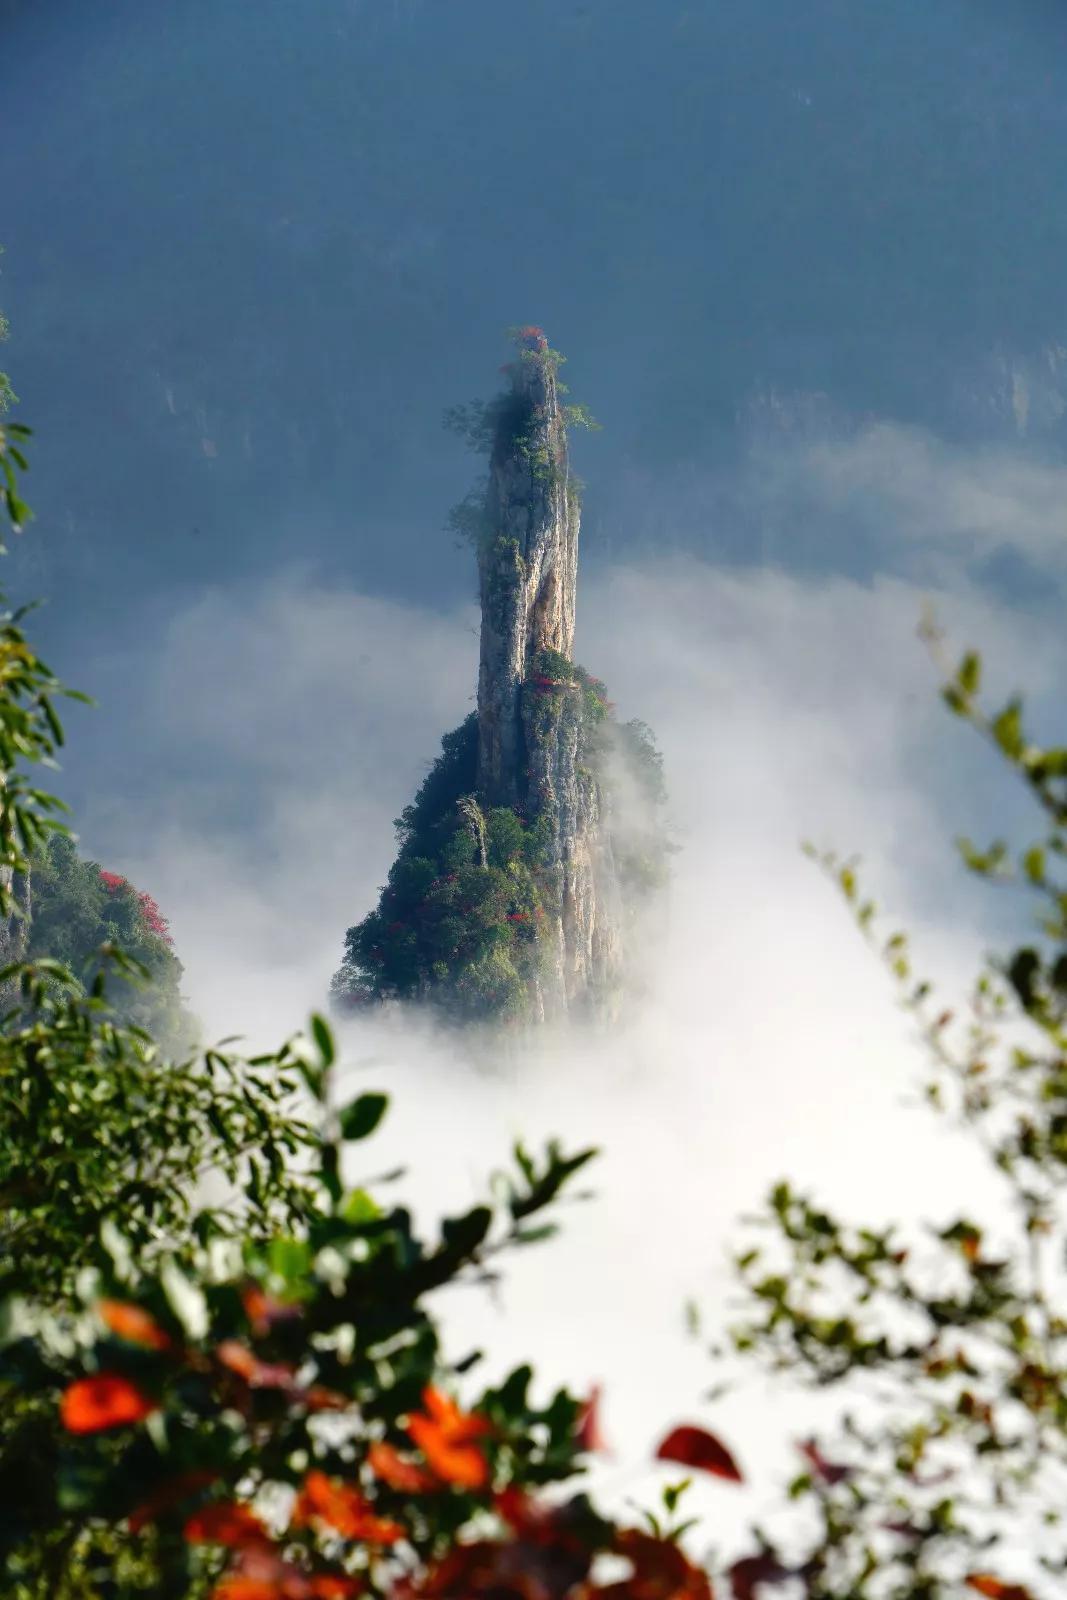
[537,836]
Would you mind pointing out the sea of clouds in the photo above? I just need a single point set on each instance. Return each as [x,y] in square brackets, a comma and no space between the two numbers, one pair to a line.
[767,1042]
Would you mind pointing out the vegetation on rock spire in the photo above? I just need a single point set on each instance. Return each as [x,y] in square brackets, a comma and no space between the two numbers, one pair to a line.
[508,895]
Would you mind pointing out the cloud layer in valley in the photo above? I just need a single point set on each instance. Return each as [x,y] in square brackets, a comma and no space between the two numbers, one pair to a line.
[298,720]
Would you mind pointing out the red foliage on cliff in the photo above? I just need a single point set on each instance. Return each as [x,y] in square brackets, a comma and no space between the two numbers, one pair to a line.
[151,916]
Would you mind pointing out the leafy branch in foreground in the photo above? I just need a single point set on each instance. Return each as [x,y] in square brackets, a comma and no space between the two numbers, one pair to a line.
[200,1387]
[95,1124]
[950,1476]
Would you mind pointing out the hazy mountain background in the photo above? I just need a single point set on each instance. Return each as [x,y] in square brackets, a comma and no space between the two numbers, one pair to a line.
[253,251]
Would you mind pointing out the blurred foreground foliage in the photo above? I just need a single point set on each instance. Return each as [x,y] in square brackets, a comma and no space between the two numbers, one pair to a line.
[947,1472]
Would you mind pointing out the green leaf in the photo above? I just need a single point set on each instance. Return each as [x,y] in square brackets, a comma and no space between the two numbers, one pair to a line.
[547,1230]
[1024,972]
[464,1234]
[1034,864]
[969,675]
[359,1120]
[289,1259]
[673,1492]
[321,1033]
[1051,763]
[359,1207]
[1007,730]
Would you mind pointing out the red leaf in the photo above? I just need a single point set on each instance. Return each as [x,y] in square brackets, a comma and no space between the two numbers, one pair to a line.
[830,1472]
[994,1588]
[226,1523]
[132,1324]
[661,1571]
[695,1447]
[753,1570]
[522,1513]
[90,1405]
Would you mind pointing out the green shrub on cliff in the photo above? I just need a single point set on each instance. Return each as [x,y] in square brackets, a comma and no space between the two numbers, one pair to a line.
[459,921]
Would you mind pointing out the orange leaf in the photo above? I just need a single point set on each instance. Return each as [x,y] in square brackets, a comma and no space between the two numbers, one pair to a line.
[261,1574]
[238,1358]
[132,1324]
[458,1426]
[344,1508]
[169,1494]
[695,1447]
[226,1522]
[89,1405]
[238,1588]
[263,1310]
[318,1398]
[460,1464]
[392,1468]
[994,1588]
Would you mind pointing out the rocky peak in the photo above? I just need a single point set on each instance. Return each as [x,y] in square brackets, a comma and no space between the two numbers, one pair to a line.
[513,886]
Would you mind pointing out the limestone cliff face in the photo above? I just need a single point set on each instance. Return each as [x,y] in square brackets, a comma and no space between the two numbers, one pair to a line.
[527,564]
[583,958]
[536,734]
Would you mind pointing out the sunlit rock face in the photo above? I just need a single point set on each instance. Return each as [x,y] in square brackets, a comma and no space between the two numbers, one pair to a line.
[528,566]
[536,737]
[582,966]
